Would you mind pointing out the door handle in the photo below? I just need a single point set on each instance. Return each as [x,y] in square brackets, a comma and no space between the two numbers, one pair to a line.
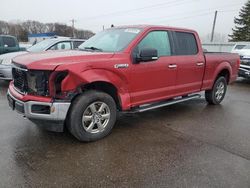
[172,66]
[200,64]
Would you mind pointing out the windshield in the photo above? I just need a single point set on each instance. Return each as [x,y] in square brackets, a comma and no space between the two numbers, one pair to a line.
[111,40]
[247,47]
[41,46]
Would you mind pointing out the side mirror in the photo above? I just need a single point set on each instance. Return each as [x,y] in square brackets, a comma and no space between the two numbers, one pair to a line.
[6,46]
[147,54]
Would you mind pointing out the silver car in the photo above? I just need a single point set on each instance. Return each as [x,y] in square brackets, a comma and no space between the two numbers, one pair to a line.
[49,44]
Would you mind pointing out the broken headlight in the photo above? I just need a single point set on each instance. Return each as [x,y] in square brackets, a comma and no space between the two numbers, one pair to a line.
[38,82]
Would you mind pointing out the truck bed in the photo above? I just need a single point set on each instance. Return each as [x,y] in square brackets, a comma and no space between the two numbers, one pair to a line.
[215,60]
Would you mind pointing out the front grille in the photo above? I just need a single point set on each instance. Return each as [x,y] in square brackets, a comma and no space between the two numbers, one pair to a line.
[20,80]
[245,62]
[245,67]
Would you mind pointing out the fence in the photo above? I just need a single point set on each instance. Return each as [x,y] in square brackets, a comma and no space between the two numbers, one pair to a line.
[221,47]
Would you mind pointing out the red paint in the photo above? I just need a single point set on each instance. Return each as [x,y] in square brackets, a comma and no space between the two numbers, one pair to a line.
[139,83]
[26,98]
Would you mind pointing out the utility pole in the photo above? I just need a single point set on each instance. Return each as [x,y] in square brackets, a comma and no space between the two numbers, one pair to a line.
[215,18]
[73,27]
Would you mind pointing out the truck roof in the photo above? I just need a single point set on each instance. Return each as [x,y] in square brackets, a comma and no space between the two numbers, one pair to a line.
[155,27]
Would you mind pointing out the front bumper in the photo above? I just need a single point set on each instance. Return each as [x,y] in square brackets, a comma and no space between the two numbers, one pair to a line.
[244,71]
[5,72]
[49,115]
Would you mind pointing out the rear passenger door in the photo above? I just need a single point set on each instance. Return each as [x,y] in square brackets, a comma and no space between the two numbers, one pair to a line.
[190,62]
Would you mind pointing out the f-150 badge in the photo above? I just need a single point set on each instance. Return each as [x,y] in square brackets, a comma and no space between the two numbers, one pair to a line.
[120,66]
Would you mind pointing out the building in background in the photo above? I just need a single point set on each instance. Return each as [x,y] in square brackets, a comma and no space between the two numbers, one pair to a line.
[34,38]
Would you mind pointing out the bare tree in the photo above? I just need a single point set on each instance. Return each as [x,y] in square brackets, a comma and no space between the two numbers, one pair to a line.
[22,29]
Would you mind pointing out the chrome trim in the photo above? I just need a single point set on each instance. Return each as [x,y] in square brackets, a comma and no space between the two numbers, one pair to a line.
[172,66]
[245,66]
[16,67]
[18,91]
[25,70]
[200,64]
[244,69]
[143,108]
[119,66]
[246,72]
[59,113]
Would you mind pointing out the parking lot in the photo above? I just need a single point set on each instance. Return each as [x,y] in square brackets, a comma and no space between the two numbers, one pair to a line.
[184,145]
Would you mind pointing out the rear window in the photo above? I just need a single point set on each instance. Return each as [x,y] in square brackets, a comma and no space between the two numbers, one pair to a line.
[9,41]
[186,44]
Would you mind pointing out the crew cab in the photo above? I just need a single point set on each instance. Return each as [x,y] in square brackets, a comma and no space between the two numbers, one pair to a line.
[123,69]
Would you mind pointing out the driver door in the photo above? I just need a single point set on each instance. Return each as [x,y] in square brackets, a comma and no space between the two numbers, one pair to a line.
[153,80]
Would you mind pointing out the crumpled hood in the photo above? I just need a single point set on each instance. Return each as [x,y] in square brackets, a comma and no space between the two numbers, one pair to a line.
[51,59]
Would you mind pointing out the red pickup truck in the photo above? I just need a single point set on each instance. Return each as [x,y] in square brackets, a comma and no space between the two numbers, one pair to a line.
[128,69]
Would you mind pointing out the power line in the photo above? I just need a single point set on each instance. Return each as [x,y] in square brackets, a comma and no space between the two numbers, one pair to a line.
[229,11]
[187,17]
[203,11]
[199,11]
[173,3]
[196,15]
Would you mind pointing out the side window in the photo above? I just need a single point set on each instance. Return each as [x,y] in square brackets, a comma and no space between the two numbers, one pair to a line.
[76,44]
[186,44]
[158,40]
[61,46]
[9,41]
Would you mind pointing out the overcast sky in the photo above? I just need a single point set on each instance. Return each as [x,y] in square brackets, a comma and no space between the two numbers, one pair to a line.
[93,14]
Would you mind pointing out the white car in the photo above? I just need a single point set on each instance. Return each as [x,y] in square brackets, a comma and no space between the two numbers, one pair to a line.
[244,70]
[238,47]
[49,44]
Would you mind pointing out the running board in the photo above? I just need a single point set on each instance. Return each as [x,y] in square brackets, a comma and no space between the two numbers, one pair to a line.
[147,107]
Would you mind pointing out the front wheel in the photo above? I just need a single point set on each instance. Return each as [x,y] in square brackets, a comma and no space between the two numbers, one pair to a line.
[92,116]
[217,93]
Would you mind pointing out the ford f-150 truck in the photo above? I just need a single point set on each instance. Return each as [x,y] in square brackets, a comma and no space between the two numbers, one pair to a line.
[128,69]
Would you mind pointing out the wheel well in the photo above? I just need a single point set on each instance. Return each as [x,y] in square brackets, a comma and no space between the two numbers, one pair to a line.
[225,73]
[105,87]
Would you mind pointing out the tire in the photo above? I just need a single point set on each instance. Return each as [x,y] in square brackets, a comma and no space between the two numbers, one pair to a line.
[216,95]
[92,116]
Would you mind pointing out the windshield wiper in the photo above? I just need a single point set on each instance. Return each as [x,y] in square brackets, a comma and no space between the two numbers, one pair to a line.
[93,48]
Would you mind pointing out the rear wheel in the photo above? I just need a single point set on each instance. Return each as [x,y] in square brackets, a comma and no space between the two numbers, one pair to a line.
[92,116]
[217,93]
